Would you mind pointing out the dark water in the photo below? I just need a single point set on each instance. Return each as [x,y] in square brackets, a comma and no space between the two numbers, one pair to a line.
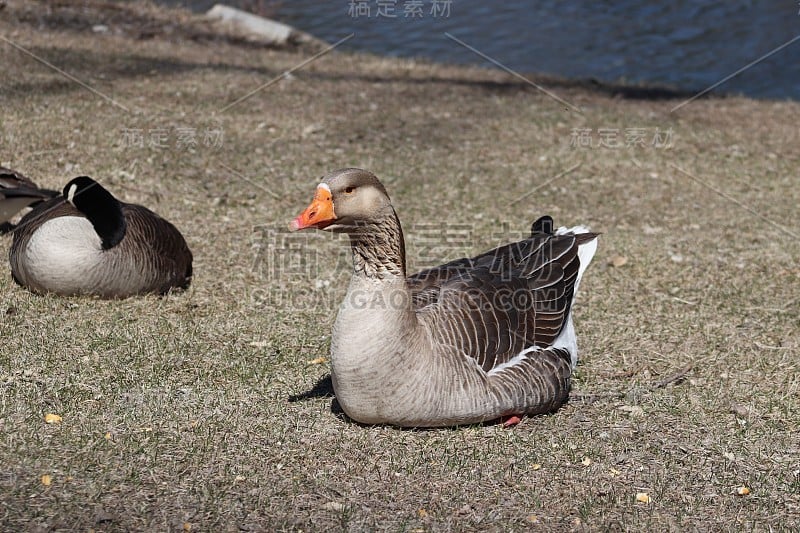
[682,44]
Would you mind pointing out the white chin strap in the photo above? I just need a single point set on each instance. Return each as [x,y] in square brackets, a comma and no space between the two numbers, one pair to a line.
[71,193]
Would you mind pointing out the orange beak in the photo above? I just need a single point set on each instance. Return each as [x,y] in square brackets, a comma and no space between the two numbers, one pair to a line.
[318,214]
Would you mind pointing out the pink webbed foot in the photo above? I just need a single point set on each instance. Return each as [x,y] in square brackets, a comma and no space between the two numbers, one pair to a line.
[510,420]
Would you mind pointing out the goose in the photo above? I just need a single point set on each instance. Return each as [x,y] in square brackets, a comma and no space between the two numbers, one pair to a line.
[88,242]
[16,193]
[473,340]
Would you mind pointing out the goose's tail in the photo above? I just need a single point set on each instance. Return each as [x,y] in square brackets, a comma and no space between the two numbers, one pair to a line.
[587,246]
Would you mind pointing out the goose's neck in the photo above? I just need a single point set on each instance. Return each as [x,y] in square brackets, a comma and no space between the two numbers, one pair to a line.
[379,249]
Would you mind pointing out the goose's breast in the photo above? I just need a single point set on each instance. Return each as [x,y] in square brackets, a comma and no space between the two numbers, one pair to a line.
[60,245]
[392,375]
[65,255]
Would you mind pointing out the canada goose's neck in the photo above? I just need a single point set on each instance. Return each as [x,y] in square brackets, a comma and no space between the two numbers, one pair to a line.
[379,249]
[107,218]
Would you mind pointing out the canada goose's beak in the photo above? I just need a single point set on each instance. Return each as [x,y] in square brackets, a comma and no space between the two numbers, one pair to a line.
[317,215]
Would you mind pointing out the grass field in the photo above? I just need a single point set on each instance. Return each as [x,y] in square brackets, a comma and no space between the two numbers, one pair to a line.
[210,411]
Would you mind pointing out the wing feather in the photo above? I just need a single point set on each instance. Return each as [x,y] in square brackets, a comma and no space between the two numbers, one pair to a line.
[493,306]
[160,245]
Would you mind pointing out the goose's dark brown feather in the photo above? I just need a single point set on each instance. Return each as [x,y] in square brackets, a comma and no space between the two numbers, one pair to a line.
[493,306]
[160,245]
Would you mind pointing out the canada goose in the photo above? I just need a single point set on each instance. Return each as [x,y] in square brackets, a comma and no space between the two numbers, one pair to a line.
[16,193]
[469,341]
[88,242]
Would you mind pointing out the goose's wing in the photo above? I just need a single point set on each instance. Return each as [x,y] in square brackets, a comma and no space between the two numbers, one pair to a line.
[18,192]
[15,184]
[493,306]
[165,246]
[10,179]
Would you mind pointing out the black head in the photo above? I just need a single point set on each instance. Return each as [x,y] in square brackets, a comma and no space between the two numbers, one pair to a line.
[100,207]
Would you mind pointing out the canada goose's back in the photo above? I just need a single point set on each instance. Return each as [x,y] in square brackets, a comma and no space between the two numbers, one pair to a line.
[159,247]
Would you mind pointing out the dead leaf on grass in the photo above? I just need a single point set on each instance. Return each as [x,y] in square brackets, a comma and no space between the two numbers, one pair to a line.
[318,361]
[618,261]
[633,410]
[464,509]
[52,418]
[311,129]
[47,480]
[740,410]
[102,517]
[259,344]
[333,506]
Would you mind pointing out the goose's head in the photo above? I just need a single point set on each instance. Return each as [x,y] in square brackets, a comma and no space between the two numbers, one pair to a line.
[346,199]
[100,207]
[85,193]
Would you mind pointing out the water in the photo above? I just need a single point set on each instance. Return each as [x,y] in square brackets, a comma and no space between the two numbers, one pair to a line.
[682,44]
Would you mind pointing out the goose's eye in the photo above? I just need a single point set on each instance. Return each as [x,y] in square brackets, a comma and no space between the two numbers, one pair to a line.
[349,190]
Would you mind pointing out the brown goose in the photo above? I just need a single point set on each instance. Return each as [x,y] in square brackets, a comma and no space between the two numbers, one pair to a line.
[16,193]
[88,242]
[470,341]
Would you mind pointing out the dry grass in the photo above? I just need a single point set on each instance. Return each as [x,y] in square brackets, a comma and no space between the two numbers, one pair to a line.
[176,410]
